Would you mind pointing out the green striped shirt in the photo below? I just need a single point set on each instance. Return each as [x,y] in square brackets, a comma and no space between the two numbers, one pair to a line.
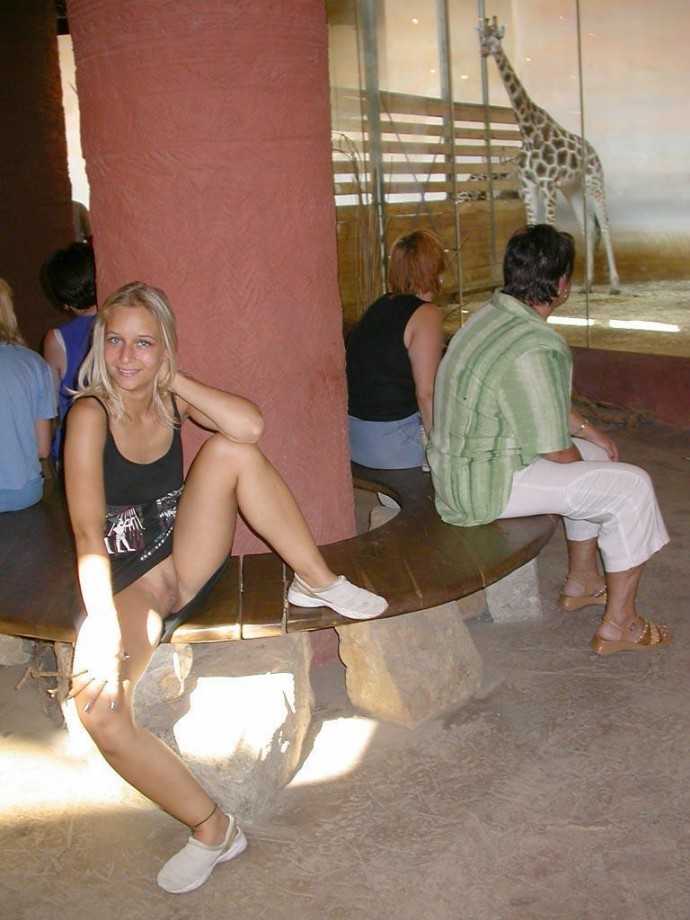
[502,398]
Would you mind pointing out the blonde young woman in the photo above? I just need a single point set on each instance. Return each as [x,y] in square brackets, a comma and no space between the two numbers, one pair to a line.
[27,404]
[149,545]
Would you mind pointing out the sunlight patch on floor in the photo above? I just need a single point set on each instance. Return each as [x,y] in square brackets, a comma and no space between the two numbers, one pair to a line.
[338,749]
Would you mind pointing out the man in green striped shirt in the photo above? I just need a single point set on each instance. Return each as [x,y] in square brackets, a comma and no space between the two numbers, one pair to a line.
[502,398]
[501,443]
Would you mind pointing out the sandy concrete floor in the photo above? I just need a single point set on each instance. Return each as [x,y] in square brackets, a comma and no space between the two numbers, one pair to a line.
[562,792]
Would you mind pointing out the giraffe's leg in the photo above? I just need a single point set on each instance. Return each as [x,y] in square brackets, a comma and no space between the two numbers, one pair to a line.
[577,200]
[549,195]
[599,207]
[530,199]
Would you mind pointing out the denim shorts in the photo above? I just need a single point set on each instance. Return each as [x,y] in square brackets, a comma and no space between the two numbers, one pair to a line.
[393,445]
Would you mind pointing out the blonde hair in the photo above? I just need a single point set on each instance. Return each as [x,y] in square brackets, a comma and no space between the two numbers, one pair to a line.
[94,379]
[9,328]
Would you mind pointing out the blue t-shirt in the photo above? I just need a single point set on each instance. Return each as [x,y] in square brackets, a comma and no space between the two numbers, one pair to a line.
[76,337]
[26,395]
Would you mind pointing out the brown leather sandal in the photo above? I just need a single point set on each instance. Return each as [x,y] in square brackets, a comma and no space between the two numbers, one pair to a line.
[653,636]
[587,599]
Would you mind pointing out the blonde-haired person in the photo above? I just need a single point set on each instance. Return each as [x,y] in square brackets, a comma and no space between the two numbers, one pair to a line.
[392,357]
[150,545]
[27,404]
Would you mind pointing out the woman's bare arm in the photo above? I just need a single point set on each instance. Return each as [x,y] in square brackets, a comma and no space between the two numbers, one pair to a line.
[238,419]
[423,339]
[580,427]
[83,465]
[55,355]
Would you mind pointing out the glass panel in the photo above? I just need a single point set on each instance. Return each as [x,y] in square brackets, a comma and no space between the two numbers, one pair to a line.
[636,114]
[427,162]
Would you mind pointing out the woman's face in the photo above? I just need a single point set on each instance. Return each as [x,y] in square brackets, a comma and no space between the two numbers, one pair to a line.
[133,348]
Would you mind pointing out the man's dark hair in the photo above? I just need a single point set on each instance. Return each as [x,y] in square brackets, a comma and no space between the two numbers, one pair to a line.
[536,258]
[71,276]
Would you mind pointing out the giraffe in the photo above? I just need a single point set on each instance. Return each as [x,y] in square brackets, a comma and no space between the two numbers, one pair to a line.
[511,172]
[551,161]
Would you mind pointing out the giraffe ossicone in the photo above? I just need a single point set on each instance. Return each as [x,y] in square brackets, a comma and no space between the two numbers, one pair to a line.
[554,160]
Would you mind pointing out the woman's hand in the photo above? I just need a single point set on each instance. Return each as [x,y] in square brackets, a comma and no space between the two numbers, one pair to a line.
[580,427]
[601,440]
[98,662]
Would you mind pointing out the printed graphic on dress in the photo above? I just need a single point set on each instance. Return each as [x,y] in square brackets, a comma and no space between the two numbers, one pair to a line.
[162,517]
[166,509]
[124,530]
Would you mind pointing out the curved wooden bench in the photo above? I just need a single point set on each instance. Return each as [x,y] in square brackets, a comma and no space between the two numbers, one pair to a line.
[415,561]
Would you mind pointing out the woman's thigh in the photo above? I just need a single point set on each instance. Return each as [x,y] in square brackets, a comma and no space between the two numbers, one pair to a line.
[392,445]
[141,609]
[574,490]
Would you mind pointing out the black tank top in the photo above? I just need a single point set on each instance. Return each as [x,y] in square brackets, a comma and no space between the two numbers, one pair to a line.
[141,505]
[379,374]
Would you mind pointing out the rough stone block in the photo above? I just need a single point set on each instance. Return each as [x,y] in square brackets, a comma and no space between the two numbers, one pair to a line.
[13,651]
[411,668]
[515,597]
[473,606]
[241,720]
[166,675]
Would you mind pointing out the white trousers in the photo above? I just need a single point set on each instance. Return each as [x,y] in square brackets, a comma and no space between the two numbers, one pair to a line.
[612,502]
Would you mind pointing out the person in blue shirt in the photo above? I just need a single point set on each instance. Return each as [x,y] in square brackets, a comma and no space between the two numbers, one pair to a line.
[27,404]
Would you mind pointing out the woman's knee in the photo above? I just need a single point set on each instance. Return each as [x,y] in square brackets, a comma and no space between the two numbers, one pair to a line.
[638,481]
[218,449]
[109,728]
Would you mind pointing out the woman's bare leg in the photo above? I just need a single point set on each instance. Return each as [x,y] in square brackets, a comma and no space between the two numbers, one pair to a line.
[583,575]
[224,477]
[621,620]
[140,758]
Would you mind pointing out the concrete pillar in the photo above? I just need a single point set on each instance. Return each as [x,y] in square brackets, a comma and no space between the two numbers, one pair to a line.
[206,135]
[35,205]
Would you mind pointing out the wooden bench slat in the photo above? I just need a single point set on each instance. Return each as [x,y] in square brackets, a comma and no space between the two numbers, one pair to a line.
[263,596]
[503,546]
[38,585]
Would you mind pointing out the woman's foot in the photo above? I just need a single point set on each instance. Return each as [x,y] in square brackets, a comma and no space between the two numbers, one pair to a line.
[639,635]
[190,868]
[578,593]
[341,595]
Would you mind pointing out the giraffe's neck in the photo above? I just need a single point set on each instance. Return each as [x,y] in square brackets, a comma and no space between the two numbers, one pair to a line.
[522,105]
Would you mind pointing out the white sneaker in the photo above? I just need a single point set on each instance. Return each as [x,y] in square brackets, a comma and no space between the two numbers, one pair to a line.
[341,595]
[190,868]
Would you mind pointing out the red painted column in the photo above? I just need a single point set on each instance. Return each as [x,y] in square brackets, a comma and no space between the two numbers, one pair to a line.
[206,134]
[35,204]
